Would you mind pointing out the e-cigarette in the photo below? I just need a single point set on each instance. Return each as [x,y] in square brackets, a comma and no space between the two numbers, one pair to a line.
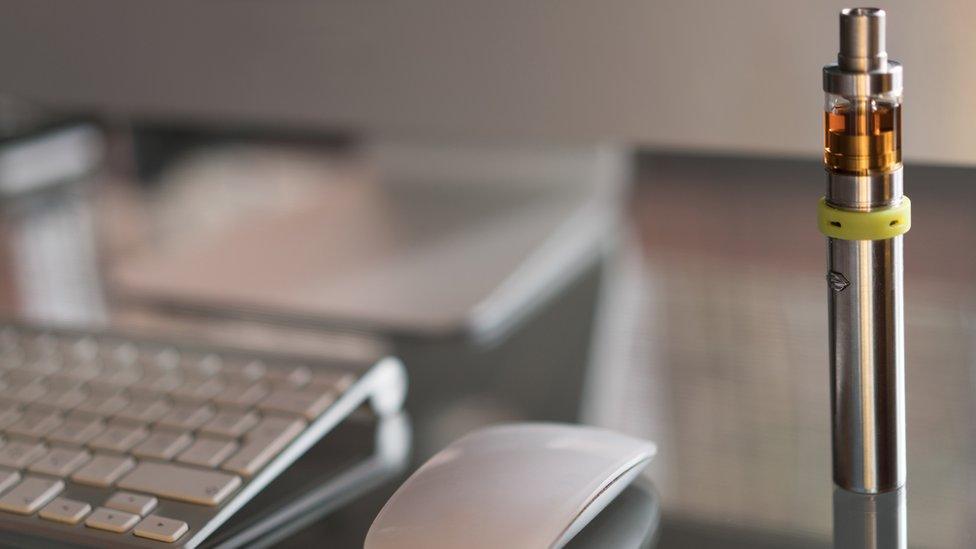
[864,215]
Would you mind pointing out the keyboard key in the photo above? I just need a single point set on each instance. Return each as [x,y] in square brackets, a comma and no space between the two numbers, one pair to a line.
[196,391]
[75,375]
[60,462]
[24,394]
[241,395]
[18,454]
[337,382]
[205,368]
[63,398]
[132,503]
[30,495]
[272,428]
[244,370]
[180,483]
[306,403]
[109,519]
[76,430]
[230,423]
[103,405]
[114,379]
[103,470]
[162,445]
[19,377]
[157,383]
[68,511]
[35,425]
[118,438]
[288,376]
[8,415]
[263,443]
[161,528]
[144,411]
[8,478]
[208,452]
[187,418]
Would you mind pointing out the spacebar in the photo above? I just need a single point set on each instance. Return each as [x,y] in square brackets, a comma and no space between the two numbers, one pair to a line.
[180,483]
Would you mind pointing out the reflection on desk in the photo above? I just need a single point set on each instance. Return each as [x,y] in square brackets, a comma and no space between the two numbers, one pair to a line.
[713,344]
[630,521]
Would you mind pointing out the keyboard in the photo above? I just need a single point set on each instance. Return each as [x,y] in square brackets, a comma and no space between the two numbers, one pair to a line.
[110,440]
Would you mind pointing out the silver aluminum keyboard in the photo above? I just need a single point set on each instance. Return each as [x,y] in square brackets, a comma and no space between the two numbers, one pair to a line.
[106,440]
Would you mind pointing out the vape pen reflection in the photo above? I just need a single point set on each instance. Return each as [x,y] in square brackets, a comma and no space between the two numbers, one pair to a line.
[870,521]
[630,521]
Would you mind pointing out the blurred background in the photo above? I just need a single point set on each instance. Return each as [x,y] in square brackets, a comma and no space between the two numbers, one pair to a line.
[573,211]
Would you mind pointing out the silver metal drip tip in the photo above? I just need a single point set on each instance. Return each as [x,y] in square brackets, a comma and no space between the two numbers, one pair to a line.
[862,40]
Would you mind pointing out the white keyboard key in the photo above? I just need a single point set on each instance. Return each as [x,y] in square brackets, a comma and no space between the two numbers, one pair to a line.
[337,382]
[30,495]
[180,483]
[205,368]
[35,425]
[288,376]
[118,438]
[195,390]
[111,520]
[230,423]
[19,377]
[60,462]
[18,454]
[245,372]
[263,443]
[162,445]
[67,511]
[161,528]
[8,478]
[187,418]
[306,403]
[24,394]
[158,383]
[8,416]
[103,470]
[208,452]
[272,428]
[241,395]
[144,411]
[74,375]
[103,405]
[76,431]
[132,503]
[115,378]
[63,398]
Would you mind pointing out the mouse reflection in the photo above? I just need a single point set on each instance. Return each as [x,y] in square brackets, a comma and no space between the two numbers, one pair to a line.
[629,521]
[870,521]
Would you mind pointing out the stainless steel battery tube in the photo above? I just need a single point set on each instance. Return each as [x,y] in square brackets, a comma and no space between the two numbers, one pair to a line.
[864,214]
[870,521]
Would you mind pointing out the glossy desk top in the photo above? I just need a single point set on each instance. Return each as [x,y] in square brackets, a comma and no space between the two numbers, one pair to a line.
[714,345]
[710,339]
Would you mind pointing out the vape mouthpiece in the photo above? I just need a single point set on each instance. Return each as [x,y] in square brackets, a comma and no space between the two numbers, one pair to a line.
[862,40]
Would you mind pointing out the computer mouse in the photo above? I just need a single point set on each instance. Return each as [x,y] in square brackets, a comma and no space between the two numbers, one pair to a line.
[529,485]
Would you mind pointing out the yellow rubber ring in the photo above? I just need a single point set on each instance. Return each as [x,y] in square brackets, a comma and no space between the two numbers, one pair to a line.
[874,225]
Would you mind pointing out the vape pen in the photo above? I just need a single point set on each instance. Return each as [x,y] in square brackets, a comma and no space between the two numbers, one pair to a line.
[864,216]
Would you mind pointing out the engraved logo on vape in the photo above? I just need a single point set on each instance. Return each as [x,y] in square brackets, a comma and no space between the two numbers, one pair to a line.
[837,281]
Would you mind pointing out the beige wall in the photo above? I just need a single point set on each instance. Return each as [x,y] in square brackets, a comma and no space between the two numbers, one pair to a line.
[740,76]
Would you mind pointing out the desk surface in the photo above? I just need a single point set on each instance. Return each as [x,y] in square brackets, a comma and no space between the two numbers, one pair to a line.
[711,340]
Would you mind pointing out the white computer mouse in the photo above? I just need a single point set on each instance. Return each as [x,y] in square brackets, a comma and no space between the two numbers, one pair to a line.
[530,485]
